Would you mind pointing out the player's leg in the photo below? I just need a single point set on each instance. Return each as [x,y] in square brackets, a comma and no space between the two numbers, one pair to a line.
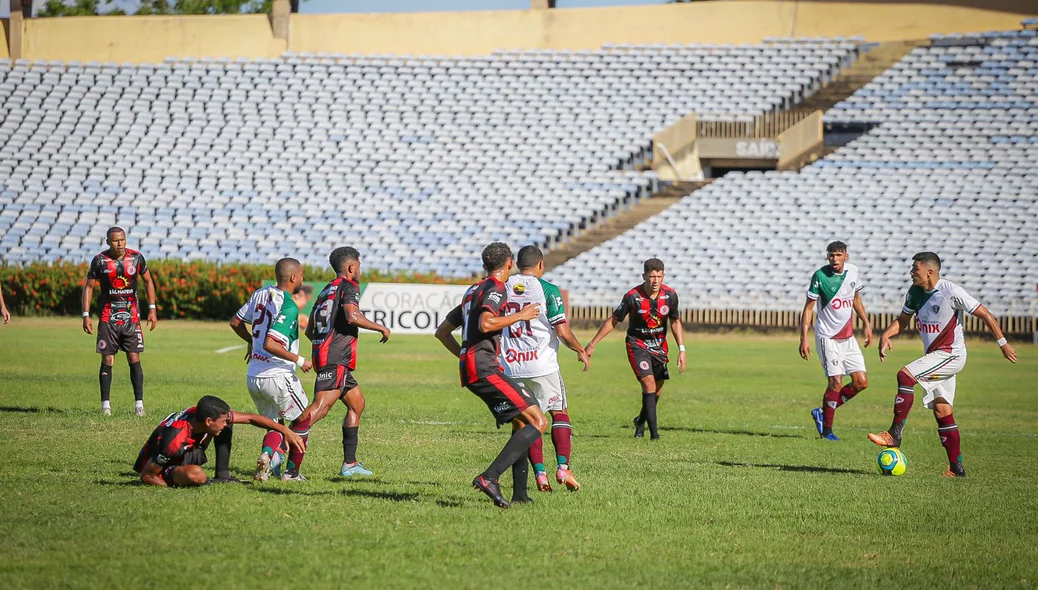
[948,431]
[185,476]
[520,475]
[508,401]
[535,386]
[270,448]
[106,346]
[934,364]
[853,365]
[223,456]
[355,404]
[660,376]
[132,342]
[830,401]
[291,403]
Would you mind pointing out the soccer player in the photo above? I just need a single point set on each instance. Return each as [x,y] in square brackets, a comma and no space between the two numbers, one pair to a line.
[529,351]
[835,290]
[116,271]
[333,329]
[175,451]
[273,355]
[650,306]
[3,309]
[937,305]
[481,317]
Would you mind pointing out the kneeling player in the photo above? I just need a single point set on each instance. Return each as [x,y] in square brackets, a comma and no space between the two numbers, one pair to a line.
[650,306]
[835,288]
[175,451]
[480,315]
[937,305]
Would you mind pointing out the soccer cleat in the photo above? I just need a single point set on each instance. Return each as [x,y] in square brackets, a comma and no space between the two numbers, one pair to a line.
[264,468]
[542,482]
[228,478]
[955,470]
[565,477]
[290,476]
[817,415]
[831,437]
[639,427]
[884,439]
[106,411]
[139,411]
[491,488]
[355,470]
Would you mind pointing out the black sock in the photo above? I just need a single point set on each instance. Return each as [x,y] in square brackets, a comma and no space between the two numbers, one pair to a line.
[137,380]
[223,451]
[516,448]
[105,376]
[649,405]
[644,414]
[349,443]
[520,478]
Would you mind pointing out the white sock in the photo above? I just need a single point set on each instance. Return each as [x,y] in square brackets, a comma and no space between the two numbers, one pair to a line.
[106,405]
[139,403]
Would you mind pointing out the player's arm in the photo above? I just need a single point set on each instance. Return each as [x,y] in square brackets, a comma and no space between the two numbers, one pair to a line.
[276,348]
[491,322]
[603,331]
[152,474]
[355,317]
[679,337]
[149,288]
[992,323]
[445,331]
[88,295]
[240,328]
[3,309]
[571,342]
[805,326]
[263,422]
[896,327]
[859,309]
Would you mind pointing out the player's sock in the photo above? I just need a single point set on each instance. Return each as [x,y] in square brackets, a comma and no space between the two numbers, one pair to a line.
[349,443]
[561,438]
[948,430]
[846,394]
[902,404]
[517,446]
[830,401]
[223,451]
[537,455]
[137,380]
[649,406]
[301,426]
[520,480]
[105,377]
[272,442]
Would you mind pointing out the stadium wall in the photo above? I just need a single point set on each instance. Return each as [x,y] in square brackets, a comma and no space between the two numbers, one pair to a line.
[4,53]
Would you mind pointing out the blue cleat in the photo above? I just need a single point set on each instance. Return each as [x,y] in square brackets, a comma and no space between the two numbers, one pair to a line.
[831,437]
[817,415]
[355,470]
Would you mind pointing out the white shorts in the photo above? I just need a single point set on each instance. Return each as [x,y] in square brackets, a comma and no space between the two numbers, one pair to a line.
[548,390]
[279,396]
[839,357]
[935,372]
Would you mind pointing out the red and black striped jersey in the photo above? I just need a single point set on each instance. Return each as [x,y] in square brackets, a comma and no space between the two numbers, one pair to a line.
[171,440]
[647,327]
[118,279]
[335,338]
[480,350]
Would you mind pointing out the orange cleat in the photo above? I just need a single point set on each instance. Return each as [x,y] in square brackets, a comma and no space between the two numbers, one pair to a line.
[542,482]
[884,439]
[565,477]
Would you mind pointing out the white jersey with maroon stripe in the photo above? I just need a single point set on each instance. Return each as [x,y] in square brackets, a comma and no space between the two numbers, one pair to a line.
[938,315]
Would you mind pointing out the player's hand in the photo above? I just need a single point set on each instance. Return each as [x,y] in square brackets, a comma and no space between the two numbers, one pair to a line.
[583,357]
[868,335]
[1009,352]
[307,366]
[682,362]
[805,349]
[385,335]
[88,326]
[294,440]
[590,348]
[884,347]
[530,312]
[6,314]
[153,320]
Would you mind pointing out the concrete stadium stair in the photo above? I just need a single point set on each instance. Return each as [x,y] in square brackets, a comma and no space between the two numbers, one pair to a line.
[871,64]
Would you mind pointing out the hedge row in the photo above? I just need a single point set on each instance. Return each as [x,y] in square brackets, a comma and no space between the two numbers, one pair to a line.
[189,290]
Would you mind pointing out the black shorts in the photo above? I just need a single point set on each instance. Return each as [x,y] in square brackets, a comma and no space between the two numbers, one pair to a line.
[192,457]
[127,337]
[646,364]
[335,377]
[505,397]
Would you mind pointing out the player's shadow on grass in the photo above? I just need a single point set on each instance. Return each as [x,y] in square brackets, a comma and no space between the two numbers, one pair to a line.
[796,468]
[391,496]
[132,482]
[31,410]
[735,432]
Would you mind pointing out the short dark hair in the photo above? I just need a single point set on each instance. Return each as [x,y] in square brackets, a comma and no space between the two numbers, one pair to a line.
[836,246]
[495,256]
[341,255]
[285,268]
[928,258]
[211,407]
[652,264]
[529,257]
[115,229]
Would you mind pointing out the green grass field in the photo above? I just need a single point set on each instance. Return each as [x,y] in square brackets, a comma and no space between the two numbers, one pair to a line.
[739,492]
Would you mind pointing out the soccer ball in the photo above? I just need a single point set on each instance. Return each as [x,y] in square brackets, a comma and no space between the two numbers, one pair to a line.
[892,462]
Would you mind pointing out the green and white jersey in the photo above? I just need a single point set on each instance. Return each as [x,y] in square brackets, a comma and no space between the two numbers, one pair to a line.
[271,312]
[938,315]
[531,349]
[834,294]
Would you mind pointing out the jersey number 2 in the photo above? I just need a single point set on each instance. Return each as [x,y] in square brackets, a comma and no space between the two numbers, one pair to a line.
[517,329]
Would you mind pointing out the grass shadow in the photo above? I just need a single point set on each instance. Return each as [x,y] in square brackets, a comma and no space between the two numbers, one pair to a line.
[109,482]
[734,432]
[391,496]
[31,410]
[449,503]
[795,468]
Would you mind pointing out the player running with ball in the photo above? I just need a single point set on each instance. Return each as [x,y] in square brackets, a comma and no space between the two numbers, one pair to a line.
[937,305]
